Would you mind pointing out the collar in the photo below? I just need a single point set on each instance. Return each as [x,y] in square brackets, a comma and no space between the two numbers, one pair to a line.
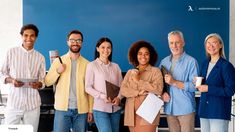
[67,55]
[147,68]
[218,61]
[27,51]
[180,58]
[102,63]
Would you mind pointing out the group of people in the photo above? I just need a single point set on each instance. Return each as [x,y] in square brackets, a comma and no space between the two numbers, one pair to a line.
[81,97]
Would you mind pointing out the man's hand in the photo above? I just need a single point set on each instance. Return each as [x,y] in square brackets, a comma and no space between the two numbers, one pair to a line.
[17,83]
[89,117]
[14,82]
[61,68]
[169,79]
[166,97]
[35,85]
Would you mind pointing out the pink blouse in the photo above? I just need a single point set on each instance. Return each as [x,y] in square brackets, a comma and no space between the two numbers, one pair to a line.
[96,74]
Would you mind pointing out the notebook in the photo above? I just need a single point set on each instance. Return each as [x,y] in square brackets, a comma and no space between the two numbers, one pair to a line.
[112,90]
[164,72]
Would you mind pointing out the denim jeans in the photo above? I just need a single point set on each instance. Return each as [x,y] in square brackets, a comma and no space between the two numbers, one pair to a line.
[214,125]
[64,120]
[107,122]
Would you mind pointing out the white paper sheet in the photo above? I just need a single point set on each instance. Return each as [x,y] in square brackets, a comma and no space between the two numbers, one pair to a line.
[150,107]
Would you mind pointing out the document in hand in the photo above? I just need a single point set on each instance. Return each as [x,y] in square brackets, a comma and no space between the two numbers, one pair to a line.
[111,90]
[164,72]
[150,107]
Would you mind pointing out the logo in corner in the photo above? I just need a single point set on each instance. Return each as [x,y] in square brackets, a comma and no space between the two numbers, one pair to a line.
[190,8]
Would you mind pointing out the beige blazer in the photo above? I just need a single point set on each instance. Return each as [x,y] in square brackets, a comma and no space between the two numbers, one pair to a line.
[151,80]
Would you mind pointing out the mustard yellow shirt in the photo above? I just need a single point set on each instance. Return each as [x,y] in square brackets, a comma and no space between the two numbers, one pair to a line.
[84,101]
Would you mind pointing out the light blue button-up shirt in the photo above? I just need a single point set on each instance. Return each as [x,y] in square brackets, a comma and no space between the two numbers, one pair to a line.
[182,101]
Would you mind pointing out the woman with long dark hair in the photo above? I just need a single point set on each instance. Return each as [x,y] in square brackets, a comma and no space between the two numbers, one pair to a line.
[106,111]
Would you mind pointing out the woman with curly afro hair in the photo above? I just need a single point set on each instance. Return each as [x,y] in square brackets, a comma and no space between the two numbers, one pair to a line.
[138,82]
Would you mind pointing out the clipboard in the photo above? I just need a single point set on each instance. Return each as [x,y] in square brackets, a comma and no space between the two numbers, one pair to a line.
[112,90]
[164,72]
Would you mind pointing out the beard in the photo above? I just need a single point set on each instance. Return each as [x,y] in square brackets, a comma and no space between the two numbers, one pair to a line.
[75,51]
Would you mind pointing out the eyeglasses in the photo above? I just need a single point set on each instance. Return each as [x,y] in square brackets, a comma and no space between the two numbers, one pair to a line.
[75,41]
[212,43]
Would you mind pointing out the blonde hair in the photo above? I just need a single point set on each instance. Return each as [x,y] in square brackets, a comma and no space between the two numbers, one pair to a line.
[221,52]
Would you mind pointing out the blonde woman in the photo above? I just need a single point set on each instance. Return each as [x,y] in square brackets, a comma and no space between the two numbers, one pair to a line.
[218,87]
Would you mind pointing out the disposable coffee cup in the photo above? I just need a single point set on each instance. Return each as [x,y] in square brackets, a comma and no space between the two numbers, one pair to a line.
[198,81]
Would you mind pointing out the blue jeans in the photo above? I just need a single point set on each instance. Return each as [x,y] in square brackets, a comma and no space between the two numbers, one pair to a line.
[64,120]
[214,125]
[107,122]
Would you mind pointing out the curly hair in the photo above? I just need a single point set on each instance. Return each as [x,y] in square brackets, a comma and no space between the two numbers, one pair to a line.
[133,51]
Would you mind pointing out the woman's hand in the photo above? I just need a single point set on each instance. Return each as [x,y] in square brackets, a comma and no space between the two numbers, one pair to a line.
[116,101]
[135,75]
[202,88]
[143,92]
[106,100]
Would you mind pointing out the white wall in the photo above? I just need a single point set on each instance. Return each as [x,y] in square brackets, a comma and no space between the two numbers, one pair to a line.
[10,24]
[232,52]
[232,32]
[11,21]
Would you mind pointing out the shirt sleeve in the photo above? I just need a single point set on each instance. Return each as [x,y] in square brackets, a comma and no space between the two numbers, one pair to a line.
[193,72]
[129,88]
[155,84]
[4,73]
[89,83]
[52,74]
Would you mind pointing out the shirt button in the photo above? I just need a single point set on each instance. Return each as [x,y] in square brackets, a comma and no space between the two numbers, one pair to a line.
[207,102]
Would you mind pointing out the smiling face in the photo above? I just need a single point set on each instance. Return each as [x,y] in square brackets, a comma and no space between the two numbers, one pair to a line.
[104,50]
[176,45]
[213,46]
[75,43]
[28,38]
[143,56]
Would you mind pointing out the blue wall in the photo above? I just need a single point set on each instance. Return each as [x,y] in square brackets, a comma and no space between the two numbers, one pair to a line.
[126,21]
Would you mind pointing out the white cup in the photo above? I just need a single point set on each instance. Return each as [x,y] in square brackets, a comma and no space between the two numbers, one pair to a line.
[198,81]
[53,55]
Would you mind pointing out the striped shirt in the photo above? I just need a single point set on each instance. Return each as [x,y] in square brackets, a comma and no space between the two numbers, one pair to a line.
[20,63]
